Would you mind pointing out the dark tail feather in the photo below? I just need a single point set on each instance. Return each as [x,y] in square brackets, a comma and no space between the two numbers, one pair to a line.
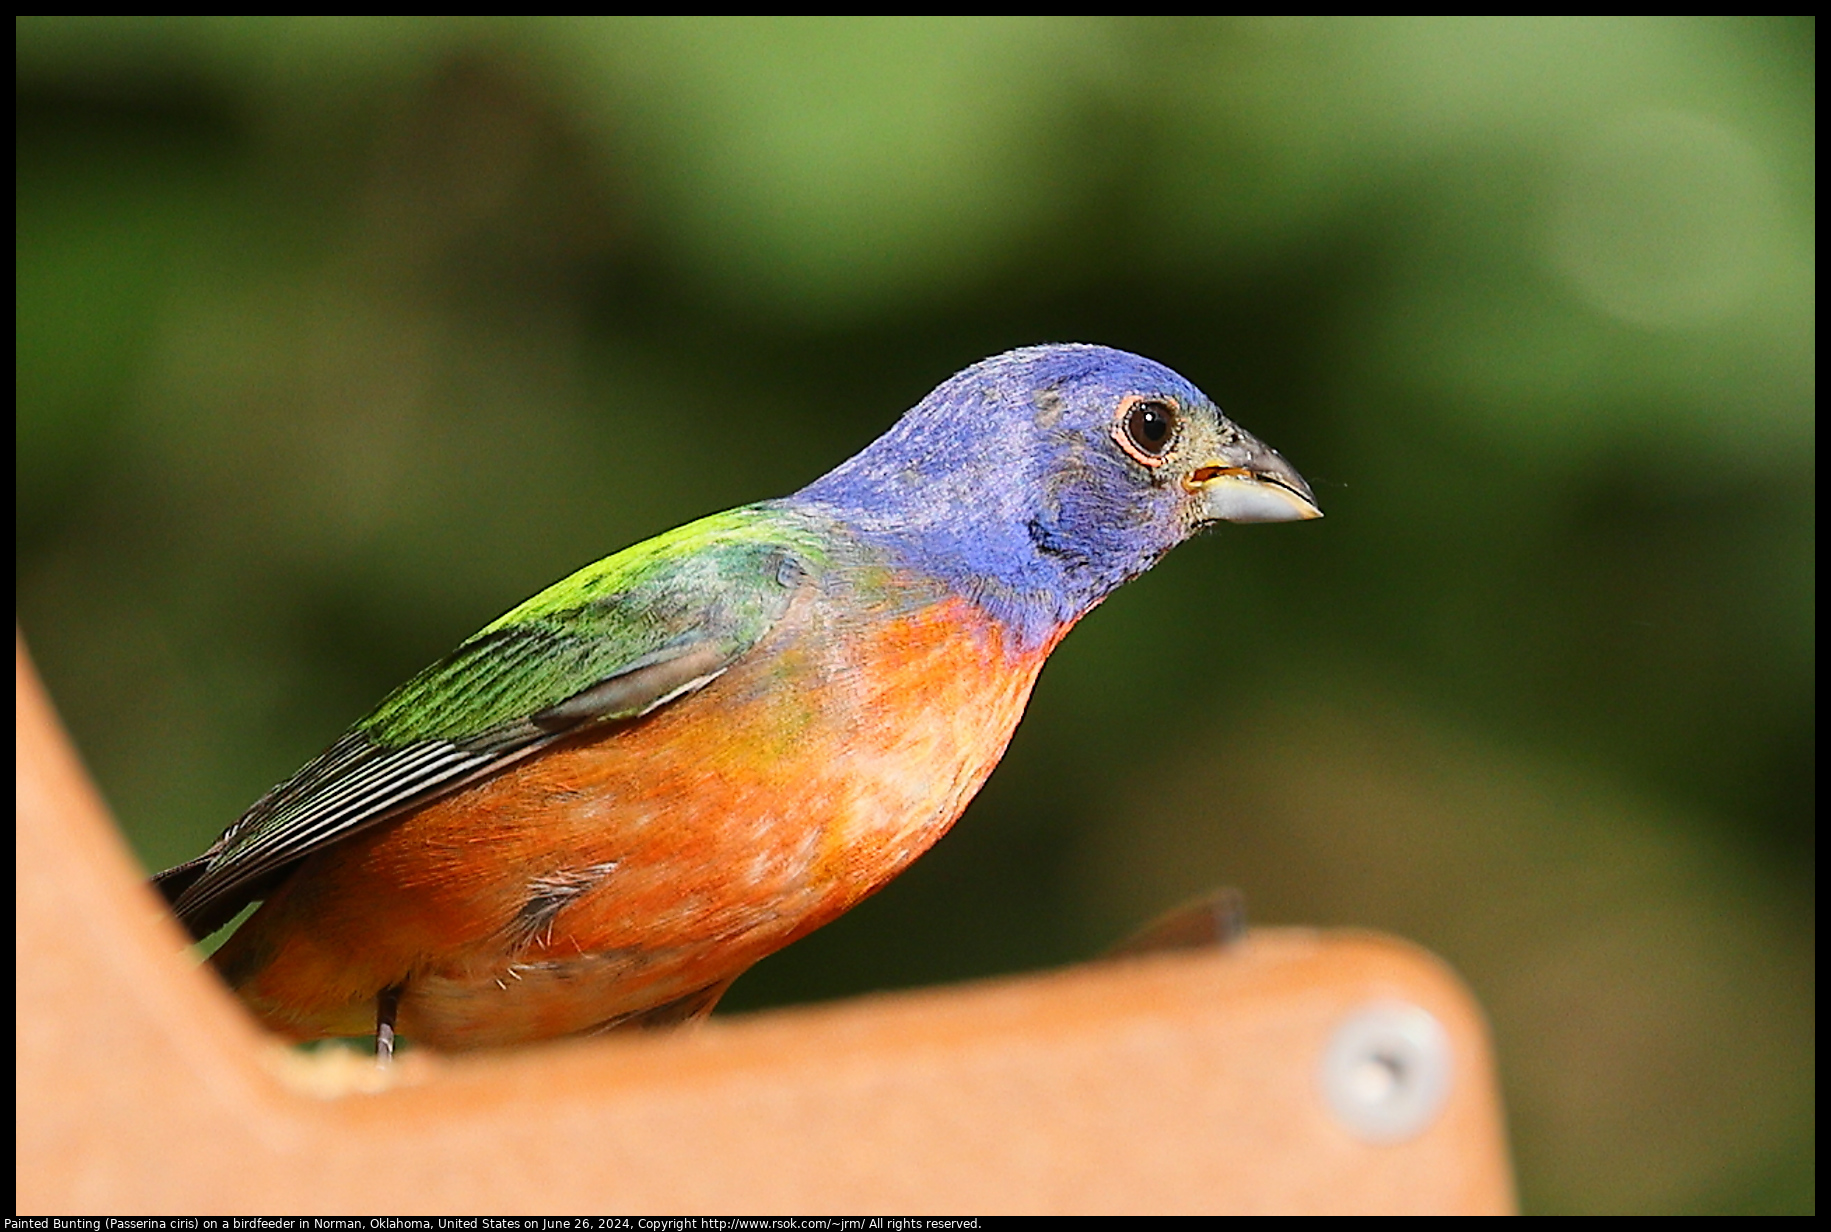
[173,882]
[203,918]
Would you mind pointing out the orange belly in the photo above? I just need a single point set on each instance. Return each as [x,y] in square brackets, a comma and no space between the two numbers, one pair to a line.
[620,871]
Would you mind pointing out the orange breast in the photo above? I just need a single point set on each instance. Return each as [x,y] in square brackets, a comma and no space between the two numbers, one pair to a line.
[619,871]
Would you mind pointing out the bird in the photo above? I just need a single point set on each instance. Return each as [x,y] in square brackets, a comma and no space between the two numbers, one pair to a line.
[601,809]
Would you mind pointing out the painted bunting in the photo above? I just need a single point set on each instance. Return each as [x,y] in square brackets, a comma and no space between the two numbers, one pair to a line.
[605,806]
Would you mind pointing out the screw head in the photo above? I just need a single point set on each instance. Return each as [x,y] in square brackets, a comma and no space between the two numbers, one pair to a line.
[1386,1071]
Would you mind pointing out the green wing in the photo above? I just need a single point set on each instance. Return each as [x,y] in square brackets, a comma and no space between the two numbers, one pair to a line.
[611,643]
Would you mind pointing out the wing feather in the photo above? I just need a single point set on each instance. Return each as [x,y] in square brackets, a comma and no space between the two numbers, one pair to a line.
[672,627]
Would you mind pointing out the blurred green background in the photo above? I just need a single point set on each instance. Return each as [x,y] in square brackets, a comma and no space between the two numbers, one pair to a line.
[336,338]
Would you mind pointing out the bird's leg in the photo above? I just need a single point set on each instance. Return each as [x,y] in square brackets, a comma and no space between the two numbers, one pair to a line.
[387,1007]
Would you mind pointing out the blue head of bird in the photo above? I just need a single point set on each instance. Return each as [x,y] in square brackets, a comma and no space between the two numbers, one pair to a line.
[1038,481]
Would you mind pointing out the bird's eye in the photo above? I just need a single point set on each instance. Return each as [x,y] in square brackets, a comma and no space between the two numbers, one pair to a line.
[1146,428]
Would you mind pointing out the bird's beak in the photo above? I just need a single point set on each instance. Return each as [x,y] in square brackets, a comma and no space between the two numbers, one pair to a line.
[1251,483]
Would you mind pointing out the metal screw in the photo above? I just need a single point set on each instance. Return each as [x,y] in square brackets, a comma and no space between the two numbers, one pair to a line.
[1386,1071]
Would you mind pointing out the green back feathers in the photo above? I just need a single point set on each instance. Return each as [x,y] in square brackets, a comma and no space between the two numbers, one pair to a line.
[720,582]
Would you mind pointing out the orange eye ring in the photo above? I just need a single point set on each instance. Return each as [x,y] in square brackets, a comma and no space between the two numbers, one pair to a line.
[1146,427]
